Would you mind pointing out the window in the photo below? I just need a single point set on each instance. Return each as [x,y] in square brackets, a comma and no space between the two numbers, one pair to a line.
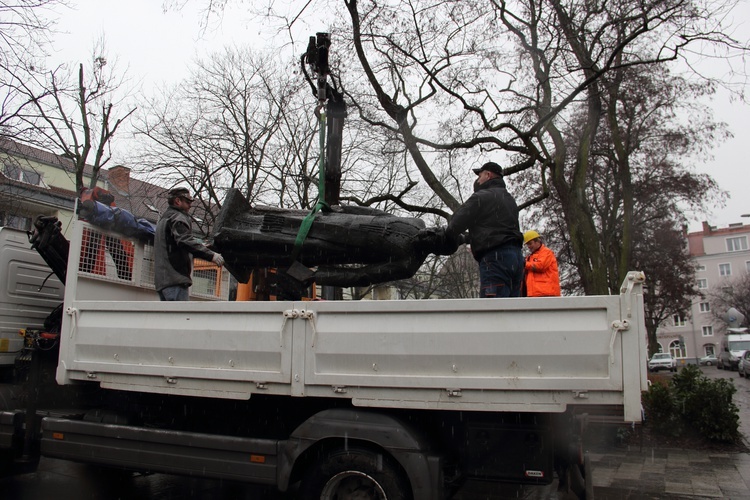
[702,283]
[676,349]
[678,320]
[737,244]
[15,221]
[17,173]
[707,331]
[705,307]
[700,267]
[725,269]
[709,350]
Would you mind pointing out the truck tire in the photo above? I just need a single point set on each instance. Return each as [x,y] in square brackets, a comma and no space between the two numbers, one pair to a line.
[354,473]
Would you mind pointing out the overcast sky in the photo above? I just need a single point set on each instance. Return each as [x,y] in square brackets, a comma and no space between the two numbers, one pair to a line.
[157,47]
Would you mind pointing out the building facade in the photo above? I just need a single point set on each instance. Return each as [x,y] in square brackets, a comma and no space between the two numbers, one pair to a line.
[36,182]
[720,255]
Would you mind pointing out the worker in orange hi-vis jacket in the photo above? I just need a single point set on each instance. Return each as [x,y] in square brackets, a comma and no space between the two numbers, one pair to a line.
[541,278]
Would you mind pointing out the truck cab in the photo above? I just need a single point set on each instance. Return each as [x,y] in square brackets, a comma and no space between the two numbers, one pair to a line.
[28,292]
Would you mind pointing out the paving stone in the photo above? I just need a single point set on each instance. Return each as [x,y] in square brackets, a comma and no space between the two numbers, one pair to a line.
[733,494]
[603,476]
[678,488]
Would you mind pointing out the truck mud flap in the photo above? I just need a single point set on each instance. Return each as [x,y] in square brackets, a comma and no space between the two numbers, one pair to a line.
[165,451]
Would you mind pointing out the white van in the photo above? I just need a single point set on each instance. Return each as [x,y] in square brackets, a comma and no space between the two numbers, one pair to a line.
[733,346]
[26,299]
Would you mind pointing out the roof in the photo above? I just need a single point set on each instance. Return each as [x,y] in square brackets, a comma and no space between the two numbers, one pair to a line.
[29,152]
[142,199]
[695,238]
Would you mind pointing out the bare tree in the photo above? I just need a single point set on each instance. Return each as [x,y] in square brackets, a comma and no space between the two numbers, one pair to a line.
[25,26]
[77,112]
[637,174]
[604,47]
[235,123]
[731,293]
[534,79]
[452,277]
[536,82]
[670,274]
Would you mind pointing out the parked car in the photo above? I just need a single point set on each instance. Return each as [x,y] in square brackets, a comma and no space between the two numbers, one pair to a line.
[662,361]
[743,367]
[709,360]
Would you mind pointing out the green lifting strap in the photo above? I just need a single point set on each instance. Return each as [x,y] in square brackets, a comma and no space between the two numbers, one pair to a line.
[304,228]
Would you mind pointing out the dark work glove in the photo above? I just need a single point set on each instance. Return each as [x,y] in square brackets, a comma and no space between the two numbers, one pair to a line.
[426,238]
[446,244]
[434,240]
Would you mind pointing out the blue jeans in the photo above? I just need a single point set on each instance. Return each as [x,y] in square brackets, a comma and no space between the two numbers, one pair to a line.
[501,272]
[174,293]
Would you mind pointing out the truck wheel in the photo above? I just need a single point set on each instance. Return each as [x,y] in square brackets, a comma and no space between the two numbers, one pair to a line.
[355,473]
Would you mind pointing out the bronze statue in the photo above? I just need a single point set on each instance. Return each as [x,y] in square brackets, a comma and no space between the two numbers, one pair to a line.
[347,246]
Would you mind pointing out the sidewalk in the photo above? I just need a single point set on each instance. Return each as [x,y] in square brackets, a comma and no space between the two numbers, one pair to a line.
[670,473]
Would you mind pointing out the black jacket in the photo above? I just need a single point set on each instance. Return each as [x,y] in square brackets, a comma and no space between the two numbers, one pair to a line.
[491,216]
[174,248]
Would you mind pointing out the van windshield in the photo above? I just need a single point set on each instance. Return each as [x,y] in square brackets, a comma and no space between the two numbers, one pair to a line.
[739,345]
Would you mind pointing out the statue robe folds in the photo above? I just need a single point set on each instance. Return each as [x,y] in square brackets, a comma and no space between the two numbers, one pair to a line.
[348,246]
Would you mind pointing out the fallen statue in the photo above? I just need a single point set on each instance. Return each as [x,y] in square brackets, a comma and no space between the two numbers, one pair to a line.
[347,246]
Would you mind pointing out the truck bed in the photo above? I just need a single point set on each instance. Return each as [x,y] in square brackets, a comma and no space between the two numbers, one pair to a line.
[526,354]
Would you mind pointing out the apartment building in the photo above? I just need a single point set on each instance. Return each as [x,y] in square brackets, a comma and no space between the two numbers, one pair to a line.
[720,255]
[34,181]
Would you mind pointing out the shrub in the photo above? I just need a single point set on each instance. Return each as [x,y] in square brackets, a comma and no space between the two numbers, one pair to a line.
[661,410]
[692,400]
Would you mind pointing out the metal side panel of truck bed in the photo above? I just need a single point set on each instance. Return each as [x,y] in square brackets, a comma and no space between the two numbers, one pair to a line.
[534,355]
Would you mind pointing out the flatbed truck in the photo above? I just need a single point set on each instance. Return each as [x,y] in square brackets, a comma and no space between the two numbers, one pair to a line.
[400,399]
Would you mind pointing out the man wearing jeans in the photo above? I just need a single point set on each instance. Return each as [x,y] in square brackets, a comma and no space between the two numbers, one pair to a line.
[491,217]
[174,247]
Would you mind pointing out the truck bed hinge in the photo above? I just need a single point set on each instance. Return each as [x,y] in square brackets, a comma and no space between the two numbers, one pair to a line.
[294,314]
[631,280]
[73,313]
[454,393]
[617,326]
[339,389]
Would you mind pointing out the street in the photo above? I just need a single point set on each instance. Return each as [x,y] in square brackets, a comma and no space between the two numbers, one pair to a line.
[65,480]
